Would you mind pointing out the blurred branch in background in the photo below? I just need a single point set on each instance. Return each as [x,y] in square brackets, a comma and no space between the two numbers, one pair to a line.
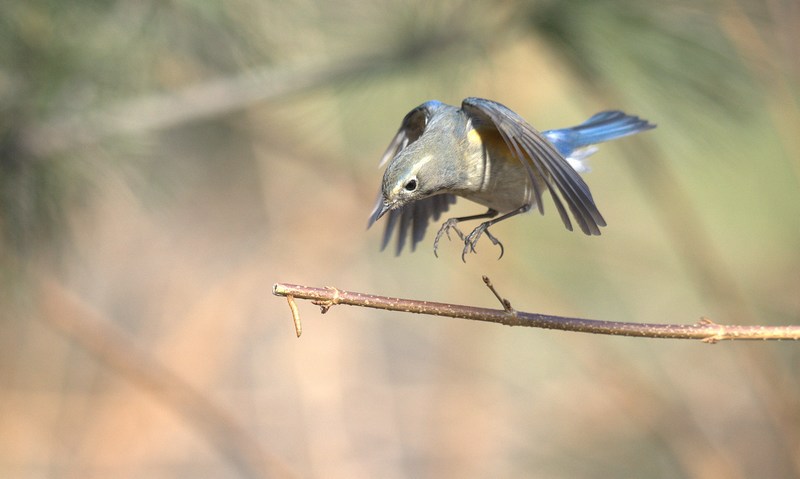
[72,317]
[763,50]
[198,102]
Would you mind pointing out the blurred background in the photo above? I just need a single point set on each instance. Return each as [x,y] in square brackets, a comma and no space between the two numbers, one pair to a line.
[162,164]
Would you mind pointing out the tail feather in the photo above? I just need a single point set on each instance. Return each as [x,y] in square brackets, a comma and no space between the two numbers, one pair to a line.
[609,125]
[604,126]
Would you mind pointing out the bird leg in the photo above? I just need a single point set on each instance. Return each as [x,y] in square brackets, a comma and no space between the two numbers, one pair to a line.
[472,239]
[452,224]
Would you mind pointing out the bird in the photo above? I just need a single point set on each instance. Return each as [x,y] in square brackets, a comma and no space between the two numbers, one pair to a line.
[486,153]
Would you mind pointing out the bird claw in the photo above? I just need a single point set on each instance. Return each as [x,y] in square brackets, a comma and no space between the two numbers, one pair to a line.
[472,239]
[445,229]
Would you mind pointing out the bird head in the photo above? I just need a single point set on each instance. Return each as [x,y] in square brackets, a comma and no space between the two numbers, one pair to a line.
[417,172]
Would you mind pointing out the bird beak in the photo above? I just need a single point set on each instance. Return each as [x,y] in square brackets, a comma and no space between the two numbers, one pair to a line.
[380,209]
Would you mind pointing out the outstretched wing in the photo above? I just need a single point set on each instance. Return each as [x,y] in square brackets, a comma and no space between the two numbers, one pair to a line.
[412,219]
[412,127]
[544,163]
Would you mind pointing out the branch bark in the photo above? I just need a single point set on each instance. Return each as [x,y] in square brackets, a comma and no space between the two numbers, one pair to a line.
[704,329]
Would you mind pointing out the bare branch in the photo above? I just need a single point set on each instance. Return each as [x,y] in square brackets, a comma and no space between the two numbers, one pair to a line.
[705,329]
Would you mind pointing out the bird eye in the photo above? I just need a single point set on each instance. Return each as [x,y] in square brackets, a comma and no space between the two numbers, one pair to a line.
[411,185]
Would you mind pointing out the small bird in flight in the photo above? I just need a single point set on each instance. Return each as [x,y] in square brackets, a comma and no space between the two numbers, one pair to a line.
[488,154]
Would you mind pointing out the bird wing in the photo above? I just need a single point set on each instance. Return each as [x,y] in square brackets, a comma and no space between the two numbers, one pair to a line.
[543,162]
[414,218]
[412,127]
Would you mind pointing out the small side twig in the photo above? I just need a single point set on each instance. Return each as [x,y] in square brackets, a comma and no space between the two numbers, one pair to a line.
[704,330]
[298,327]
[503,301]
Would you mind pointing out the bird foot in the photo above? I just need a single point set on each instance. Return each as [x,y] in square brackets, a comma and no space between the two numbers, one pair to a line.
[472,239]
[445,229]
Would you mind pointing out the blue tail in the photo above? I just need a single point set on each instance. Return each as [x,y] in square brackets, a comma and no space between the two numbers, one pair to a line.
[604,126]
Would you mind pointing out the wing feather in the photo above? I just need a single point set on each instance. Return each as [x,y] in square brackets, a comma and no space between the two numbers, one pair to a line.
[543,161]
[413,220]
[412,127]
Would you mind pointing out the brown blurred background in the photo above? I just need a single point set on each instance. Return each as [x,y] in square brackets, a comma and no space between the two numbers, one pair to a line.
[162,164]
